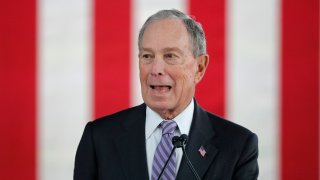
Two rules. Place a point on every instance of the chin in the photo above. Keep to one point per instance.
(158, 105)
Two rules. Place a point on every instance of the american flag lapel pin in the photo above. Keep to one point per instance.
(202, 151)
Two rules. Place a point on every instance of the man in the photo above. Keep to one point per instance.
(136, 143)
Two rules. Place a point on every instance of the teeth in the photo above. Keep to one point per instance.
(160, 87)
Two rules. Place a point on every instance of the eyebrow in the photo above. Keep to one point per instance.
(164, 50)
(173, 49)
(146, 49)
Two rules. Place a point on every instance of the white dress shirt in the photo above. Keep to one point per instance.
(154, 132)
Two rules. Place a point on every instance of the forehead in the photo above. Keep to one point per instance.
(166, 33)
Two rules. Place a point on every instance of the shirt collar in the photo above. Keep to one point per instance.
(183, 120)
(153, 120)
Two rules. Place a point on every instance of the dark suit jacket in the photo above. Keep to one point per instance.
(113, 148)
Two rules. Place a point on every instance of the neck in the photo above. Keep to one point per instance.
(171, 114)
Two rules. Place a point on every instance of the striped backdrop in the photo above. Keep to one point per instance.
(65, 62)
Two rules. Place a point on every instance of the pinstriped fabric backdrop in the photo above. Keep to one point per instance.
(65, 62)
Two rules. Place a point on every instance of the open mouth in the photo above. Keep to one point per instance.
(160, 88)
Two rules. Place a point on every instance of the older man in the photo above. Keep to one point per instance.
(136, 143)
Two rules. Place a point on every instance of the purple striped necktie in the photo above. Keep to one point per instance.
(163, 151)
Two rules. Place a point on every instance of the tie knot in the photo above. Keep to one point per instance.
(168, 126)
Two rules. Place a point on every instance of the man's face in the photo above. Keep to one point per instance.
(168, 70)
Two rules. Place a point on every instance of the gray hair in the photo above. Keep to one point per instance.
(194, 29)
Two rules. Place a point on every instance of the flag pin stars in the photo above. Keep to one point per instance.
(202, 151)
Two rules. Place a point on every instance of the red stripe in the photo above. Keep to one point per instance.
(300, 90)
(111, 56)
(17, 89)
(211, 90)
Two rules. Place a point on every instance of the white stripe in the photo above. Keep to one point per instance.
(252, 75)
(64, 78)
(141, 10)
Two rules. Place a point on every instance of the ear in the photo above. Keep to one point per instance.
(202, 62)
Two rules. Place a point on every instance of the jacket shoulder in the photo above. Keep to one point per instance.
(120, 115)
(221, 125)
(118, 121)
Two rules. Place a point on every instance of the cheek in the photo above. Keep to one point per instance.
(189, 74)
(143, 81)
(184, 79)
(143, 73)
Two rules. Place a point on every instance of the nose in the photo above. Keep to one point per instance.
(158, 67)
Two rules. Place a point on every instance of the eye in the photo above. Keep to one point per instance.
(169, 55)
(172, 58)
(146, 57)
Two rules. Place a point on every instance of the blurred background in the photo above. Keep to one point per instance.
(66, 62)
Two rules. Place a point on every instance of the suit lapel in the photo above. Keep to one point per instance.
(201, 134)
(131, 145)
